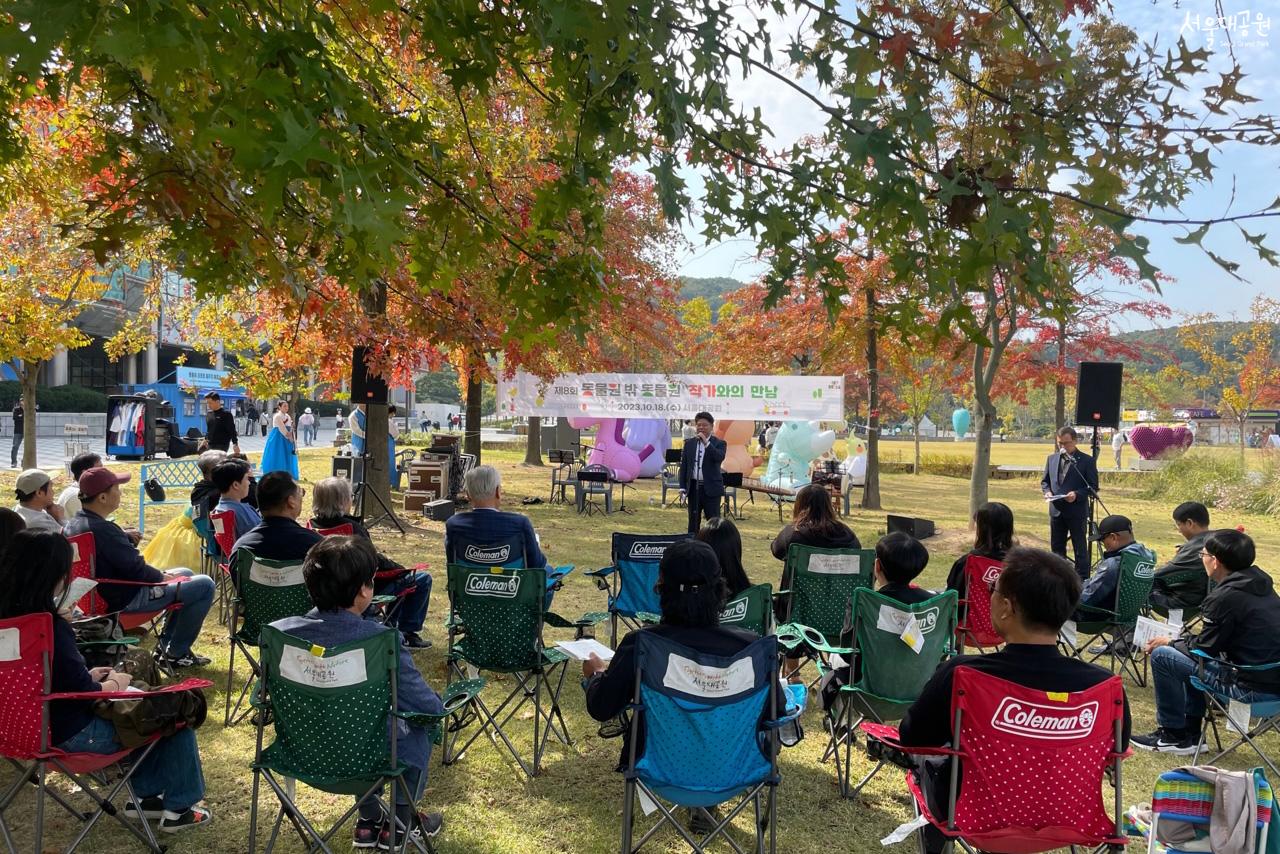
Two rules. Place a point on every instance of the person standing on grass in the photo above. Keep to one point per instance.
(1073, 475)
(701, 481)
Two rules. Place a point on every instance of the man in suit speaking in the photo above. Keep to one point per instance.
(1071, 474)
(700, 478)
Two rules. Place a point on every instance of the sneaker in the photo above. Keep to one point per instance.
(703, 823)
(151, 808)
(1164, 740)
(413, 640)
(367, 833)
(427, 826)
(192, 817)
(181, 661)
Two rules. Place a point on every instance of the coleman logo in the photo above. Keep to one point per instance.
(927, 620)
(648, 551)
(1055, 723)
(735, 612)
(991, 574)
(488, 554)
(1144, 570)
(502, 586)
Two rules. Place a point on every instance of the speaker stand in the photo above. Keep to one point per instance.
(362, 490)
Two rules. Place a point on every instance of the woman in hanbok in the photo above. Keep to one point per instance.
(281, 450)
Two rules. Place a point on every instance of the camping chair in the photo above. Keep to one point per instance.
(223, 523)
(84, 564)
(974, 627)
(1218, 703)
(1185, 617)
(386, 604)
(26, 654)
(708, 739)
(495, 624)
(630, 580)
(1033, 765)
(1115, 626)
(330, 709)
(265, 591)
(819, 595)
(562, 475)
(752, 609)
(1185, 798)
(508, 553)
(891, 671)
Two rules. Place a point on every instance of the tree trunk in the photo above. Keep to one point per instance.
(471, 438)
(915, 469)
(533, 448)
(986, 363)
(1060, 388)
(30, 372)
(871, 488)
(377, 473)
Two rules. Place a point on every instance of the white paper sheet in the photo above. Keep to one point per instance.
(581, 650)
(1147, 630)
(1067, 634)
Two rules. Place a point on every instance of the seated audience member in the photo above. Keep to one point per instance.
(278, 536)
(204, 495)
(992, 538)
(1099, 592)
(117, 557)
(69, 498)
(332, 505)
(723, 537)
(10, 524)
(36, 506)
(813, 523)
(34, 573)
(1240, 618)
(231, 479)
(339, 576)
(486, 525)
(1182, 582)
(1032, 599)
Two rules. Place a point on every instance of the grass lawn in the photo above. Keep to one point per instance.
(575, 805)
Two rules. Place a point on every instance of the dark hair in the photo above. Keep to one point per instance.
(34, 565)
(993, 534)
(1068, 431)
(723, 537)
(704, 416)
(1043, 586)
(902, 557)
(813, 512)
(1192, 511)
(1233, 549)
(83, 462)
(274, 490)
(336, 569)
(213, 395)
(10, 524)
(228, 473)
(698, 603)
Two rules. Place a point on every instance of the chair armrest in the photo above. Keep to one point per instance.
(1245, 668)
(184, 685)
(590, 618)
(556, 573)
(127, 640)
(888, 735)
(456, 696)
(601, 575)
(792, 635)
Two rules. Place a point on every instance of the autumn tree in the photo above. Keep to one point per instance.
(920, 372)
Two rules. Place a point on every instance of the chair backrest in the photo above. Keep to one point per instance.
(507, 551)
(636, 558)
(1033, 762)
(975, 627)
(26, 647)
(330, 706)
(501, 610)
(892, 672)
(701, 714)
(343, 530)
(84, 556)
(267, 590)
(752, 609)
(822, 585)
(1137, 575)
(205, 529)
(223, 523)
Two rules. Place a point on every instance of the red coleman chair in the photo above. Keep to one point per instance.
(388, 604)
(974, 628)
(1032, 765)
(84, 565)
(26, 652)
(223, 523)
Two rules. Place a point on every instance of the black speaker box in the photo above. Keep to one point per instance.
(351, 468)
(438, 510)
(1098, 394)
(918, 528)
(365, 387)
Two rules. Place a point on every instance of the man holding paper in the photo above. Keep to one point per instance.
(1069, 477)
(1099, 593)
(1181, 584)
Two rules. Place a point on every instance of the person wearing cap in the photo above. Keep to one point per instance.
(1116, 535)
(118, 559)
(220, 425)
(35, 502)
(307, 421)
(69, 498)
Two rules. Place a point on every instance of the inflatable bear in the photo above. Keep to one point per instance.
(610, 449)
(798, 444)
(737, 435)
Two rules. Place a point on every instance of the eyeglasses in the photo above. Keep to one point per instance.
(1204, 553)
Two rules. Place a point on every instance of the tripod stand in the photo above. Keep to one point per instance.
(361, 489)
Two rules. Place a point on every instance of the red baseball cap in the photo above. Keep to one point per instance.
(98, 480)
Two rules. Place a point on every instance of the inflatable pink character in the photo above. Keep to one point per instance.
(737, 457)
(649, 432)
(611, 450)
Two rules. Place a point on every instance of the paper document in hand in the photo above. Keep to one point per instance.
(78, 588)
(1147, 630)
(581, 649)
(1054, 497)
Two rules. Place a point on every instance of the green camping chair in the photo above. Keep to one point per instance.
(1116, 626)
(890, 672)
(330, 708)
(265, 591)
(752, 609)
(817, 596)
(495, 624)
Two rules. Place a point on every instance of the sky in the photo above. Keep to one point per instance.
(1253, 175)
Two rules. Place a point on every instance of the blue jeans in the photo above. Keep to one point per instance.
(180, 626)
(1178, 704)
(171, 769)
(412, 612)
(414, 778)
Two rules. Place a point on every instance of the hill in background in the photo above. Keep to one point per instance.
(712, 289)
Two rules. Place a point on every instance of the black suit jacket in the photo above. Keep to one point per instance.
(1079, 479)
(712, 457)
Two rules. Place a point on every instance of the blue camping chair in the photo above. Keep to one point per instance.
(632, 577)
(707, 739)
(1218, 705)
(507, 553)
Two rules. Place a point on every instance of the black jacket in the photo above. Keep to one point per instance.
(1079, 478)
(844, 539)
(278, 538)
(712, 457)
(1182, 582)
(1240, 618)
(220, 429)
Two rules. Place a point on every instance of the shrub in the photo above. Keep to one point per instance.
(1221, 481)
(62, 398)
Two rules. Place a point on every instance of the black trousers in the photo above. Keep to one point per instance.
(701, 506)
(1075, 527)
